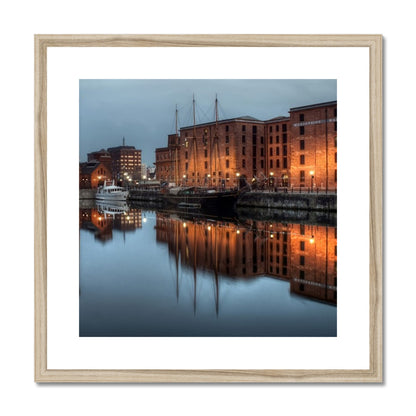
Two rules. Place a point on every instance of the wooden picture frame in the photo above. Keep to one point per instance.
(373, 374)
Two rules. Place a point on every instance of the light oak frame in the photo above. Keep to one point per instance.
(373, 374)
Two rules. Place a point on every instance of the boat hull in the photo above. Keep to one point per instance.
(218, 202)
(115, 196)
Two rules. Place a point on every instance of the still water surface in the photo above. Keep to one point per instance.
(149, 273)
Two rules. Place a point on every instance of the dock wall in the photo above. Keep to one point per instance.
(289, 201)
(87, 193)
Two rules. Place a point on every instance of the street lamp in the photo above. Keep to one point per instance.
(271, 181)
(238, 180)
(312, 173)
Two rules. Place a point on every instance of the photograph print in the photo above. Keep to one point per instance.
(208, 208)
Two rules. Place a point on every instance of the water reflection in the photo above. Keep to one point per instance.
(303, 254)
(148, 273)
(104, 217)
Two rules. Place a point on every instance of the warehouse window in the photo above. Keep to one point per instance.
(302, 159)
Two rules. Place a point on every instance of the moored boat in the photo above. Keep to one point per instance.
(112, 208)
(206, 199)
(111, 192)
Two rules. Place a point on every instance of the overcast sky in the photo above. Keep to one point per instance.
(143, 111)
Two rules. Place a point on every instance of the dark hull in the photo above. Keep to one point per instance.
(218, 202)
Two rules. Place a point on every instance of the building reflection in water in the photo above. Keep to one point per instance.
(102, 219)
(187, 275)
(304, 255)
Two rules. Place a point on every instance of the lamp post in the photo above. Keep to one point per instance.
(271, 180)
(209, 180)
(238, 180)
(312, 173)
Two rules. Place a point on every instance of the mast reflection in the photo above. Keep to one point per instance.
(304, 255)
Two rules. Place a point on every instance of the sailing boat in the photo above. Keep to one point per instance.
(193, 197)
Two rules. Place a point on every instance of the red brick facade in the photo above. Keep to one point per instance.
(314, 146)
(126, 160)
(92, 174)
(267, 152)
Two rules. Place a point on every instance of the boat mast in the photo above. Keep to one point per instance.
(216, 145)
(216, 114)
(176, 162)
(194, 149)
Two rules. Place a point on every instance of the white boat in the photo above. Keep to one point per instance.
(112, 208)
(111, 192)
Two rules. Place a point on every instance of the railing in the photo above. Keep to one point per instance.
(297, 190)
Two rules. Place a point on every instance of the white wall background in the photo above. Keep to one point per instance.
(19, 20)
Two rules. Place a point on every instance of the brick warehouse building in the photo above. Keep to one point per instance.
(92, 174)
(126, 160)
(299, 151)
(119, 162)
(314, 145)
(102, 156)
